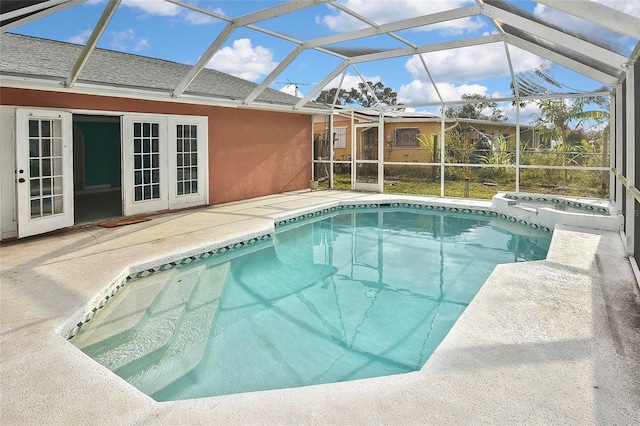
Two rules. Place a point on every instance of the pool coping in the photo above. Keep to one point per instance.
(542, 374)
(593, 214)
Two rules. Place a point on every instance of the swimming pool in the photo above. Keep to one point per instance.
(335, 297)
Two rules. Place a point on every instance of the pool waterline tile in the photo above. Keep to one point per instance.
(588, 207)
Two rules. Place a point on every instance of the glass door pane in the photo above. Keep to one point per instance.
(45, 167)
(186, 159)
(146, 161)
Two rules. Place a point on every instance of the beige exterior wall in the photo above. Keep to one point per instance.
(421, 152)
(426, 148)
(424, 151)
(321, 130)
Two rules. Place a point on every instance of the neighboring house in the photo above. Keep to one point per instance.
(401, 135)
(118, 144)
(412, 137)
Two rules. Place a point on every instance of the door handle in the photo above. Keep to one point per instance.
(21, 180)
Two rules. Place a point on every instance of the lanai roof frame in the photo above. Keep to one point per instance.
(578, 53)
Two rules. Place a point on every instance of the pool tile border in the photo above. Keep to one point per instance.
(468, 210)
(119, 284)
(575, 204)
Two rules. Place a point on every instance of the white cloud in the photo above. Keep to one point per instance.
(81, 38)
(154, 7)
(126, 41)
(527, 114)
(243, 60)
(419, 91)
(449, 68)
(168, 9)
(350, 82)
(455, 70)
(382, 12)
(475, 63)
(197, 18)
(141, 44)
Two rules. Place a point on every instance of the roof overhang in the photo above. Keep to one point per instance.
(49, 85)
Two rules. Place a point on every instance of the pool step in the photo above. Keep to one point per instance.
(155, 328)
(185, 349)
(121, 314)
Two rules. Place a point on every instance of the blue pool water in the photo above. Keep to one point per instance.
(338, 297)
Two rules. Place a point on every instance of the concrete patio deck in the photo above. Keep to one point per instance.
(548, 342)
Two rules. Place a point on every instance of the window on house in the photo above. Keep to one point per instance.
(407, 137)
(339, 137)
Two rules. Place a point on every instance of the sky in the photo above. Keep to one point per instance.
(161, 29)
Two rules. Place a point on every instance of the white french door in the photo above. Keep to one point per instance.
(188, 171)
(164, 162)
(44, 170)
(144, 153)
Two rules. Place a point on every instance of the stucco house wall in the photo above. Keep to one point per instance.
(255, 153)
(251, 153)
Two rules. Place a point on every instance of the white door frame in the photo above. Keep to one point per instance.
(174, 191)
(181, 197)
(44, 192)
(360, 186)
(145, 177)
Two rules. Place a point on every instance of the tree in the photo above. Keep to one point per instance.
(327, 97)
(362, 95)
(475, 110)
(560, 121)
(556, 115)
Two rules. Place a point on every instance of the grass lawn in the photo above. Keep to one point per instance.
(451, 189)
(456, 189)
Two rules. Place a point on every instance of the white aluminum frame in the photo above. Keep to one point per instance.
(574, 47)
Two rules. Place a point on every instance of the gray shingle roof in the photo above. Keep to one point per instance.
(53, 60)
